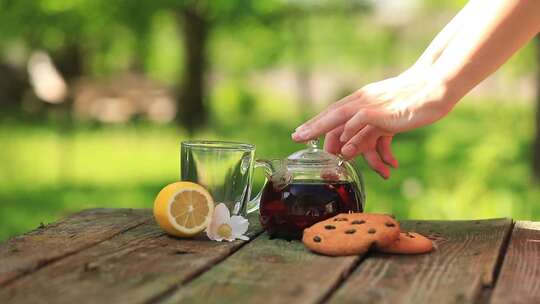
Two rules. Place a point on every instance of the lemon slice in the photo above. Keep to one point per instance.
(183, 208)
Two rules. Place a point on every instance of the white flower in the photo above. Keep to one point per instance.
(224, 227)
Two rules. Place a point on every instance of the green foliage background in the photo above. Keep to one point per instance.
(473, 164)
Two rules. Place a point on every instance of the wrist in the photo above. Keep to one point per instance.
(450, 91)
(438, 88)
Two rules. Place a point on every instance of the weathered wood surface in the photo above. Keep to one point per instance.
(463, 263)
(267, 271)
(138, 266)
(121, 256)
(519, 279)
(29, 252)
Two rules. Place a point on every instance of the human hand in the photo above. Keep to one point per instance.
(472, 46)
(365, 121)
(378, 155)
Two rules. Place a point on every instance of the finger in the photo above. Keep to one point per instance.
(385, 151)
(375, 162)
(330, 108)
(331, 141)
(325, 124)
(355, 124)
(363, 115)
(363, 141)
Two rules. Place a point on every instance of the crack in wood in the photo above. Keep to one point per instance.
(90, 267)
(171, 290)
(518, 281)
(455, 272)
(344, 276)
(181, 252)
(49, 261)
(123, 267)
(486, 292)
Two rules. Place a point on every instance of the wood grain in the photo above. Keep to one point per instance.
(137, 266)
(464, 262)
(31, 251)
(267, 271)
(519, 279)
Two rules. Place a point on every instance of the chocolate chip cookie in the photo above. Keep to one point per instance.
(351, 234)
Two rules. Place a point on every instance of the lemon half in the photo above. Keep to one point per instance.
(183, 208)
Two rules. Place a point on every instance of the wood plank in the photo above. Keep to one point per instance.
(463, 263)
(137, 266)
(268, 271)
(519, 280)
(31, 251)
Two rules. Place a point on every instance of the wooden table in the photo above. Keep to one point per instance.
(121, 256)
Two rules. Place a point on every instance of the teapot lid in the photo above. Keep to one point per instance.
(314, 156)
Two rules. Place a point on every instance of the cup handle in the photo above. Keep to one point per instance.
(254, 204)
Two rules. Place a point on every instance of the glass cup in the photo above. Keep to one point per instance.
(224, 168)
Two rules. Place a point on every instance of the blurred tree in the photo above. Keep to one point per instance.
(536, 149)
(303, 63)
(198, 19)
(13, 85)
(79, 34)
(195, 25)
(98, 37)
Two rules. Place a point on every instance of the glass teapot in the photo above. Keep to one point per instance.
(309, 186)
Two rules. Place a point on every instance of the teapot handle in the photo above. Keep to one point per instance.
(361, 191)
(275, 172)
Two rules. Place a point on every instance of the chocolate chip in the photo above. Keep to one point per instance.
(317, 239)
(350, 231)
(371, 230)
(340, 219)
(409, 235)
(390, 224)
(357, 222)
(329, 227)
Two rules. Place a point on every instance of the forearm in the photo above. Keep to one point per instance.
(443, 38)
(475, 43)
(497, 31)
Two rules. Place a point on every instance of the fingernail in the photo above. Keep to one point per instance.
(301, 134)
(343, 138)
(348, 151)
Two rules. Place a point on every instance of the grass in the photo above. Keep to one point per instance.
(473, 164)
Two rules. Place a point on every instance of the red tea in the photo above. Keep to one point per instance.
(286, 212)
